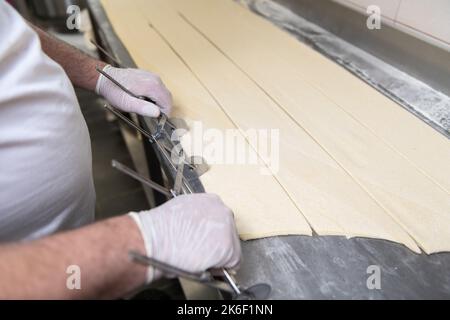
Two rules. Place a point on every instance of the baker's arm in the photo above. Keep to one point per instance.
(38, 270)
(80, 68)
(192, 232)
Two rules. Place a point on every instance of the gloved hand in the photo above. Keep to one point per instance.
(193, 232)
(139, 82)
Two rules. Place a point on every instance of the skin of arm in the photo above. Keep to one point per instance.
(79, 66)
(37, 270)
(81, 70)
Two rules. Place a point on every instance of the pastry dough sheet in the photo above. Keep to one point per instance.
(343, 169)
(242, 187)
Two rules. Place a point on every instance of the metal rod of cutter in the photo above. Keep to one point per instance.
(142, 179)
(231, 282)
(123, 88)
(106, 53)
(166, 268)
(204, 278)
(179, 175)
(163, 152)
(129, 122)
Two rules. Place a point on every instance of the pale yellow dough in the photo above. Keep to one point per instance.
(344, 169)
(242, 187)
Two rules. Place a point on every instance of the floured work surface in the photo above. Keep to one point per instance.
(351, 163)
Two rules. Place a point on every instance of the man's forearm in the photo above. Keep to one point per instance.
(79, 66)
(38, 270)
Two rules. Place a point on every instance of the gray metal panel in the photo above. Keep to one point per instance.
(325, 267)
(336, 268)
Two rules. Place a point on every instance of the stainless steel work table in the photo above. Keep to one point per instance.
(332, 267)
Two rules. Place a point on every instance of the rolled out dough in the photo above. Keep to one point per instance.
(340, 172)
(242, 187)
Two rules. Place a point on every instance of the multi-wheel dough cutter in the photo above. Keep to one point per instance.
(170, 149)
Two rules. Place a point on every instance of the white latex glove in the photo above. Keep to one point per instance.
(139, 82)
(193, 232)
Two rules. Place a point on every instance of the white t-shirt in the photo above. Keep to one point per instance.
(45, 152)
